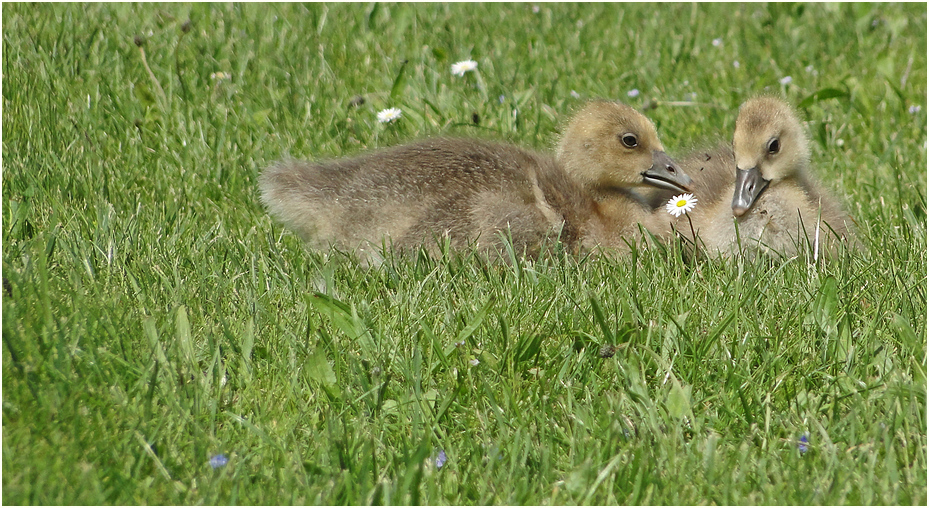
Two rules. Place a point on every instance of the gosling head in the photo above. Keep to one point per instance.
(610, 145)
(770, 146)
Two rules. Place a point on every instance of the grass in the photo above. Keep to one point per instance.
(154, 316)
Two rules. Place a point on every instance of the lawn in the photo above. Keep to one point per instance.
(166, 342)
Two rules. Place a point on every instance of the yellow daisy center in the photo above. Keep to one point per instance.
(681, 203)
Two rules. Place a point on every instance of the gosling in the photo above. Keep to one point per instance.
(776, 207)
(472, 193)
(614, 152)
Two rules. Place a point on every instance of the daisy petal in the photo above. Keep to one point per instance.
(460, 68)
(389, 115)
(680, 205)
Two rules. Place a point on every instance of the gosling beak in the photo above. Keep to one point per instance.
(749, 184)
(666, 174)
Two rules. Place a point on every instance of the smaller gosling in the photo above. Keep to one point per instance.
(776, 207)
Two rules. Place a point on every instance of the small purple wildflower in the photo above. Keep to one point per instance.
(717, 42)
(441, 459)
(914, 109)
(786, 80)
(218, 461)
(802, 446)
(633, 93)
(735, 64)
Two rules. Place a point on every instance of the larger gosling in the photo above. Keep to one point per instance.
(614, 152)
(776, 207)
(418, 194)
(468, 191)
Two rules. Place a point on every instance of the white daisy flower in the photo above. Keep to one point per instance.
(717, 42)
(460, 68)
(389, 115)
(679, 205)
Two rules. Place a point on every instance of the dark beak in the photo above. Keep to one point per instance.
(666, 174)
(749, 184)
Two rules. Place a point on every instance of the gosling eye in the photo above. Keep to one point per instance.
(774, 146)
(630, 140)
